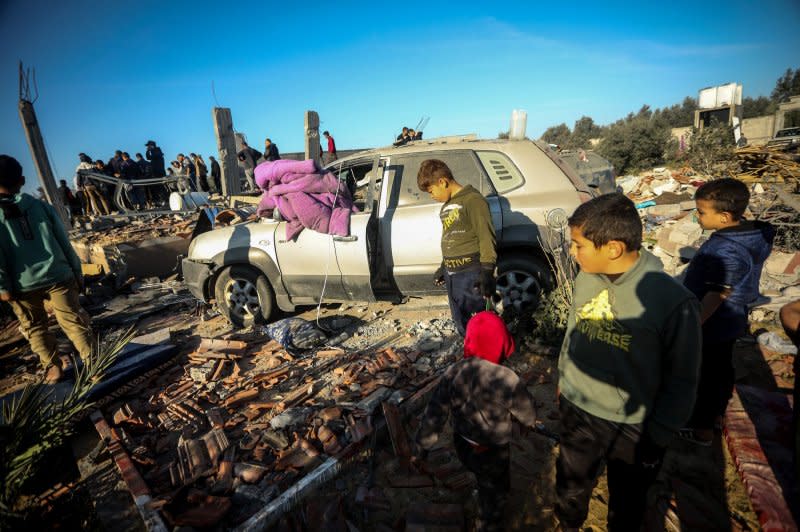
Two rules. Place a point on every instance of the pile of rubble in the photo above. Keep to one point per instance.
(134, 248)
(769, 164)
(243, 421)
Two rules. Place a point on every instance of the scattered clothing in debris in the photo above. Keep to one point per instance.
(295, 333)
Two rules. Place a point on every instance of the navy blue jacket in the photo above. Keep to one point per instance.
(731, 259)
(156, 158)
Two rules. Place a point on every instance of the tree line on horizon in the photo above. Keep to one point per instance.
(643, 139)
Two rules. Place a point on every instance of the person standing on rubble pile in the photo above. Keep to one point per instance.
(187, 169)
(37, 262)
(469, 245)
(724, 275)
(115, 163)
(156, 158)
(95, 201)
(488, 405)
(215, 183)
(131, 171)
(144, 167)
(271, 151)
(104, 190)
(331, 155)
(249, 157)
(80, 182)
(201, 171)
(68, 199)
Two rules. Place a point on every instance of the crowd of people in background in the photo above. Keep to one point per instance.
(91, 195)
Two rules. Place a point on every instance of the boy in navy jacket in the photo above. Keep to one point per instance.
(724, 275)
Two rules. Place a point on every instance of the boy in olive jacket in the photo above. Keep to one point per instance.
(468, 242)
(628, 368)
(37, 262)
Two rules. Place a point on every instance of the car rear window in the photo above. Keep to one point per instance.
(402, 173)
(503, 173)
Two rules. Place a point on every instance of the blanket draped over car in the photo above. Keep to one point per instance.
(305, 196)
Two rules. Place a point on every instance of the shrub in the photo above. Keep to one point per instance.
(711, 149)
(635, 143)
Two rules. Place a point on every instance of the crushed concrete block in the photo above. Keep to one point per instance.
(202, 373)
(290, 418)
(779, 263)
(668, 210)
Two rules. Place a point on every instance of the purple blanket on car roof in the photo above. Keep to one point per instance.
(305, 197)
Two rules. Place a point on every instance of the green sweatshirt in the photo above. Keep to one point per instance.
(467, 231)
(632, 349)
(35, 251)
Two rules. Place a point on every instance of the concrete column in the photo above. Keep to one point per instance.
(226, 144)
(36, 144)
(312, 137)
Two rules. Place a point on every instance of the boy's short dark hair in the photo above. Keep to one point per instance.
(430, 171)
(325, 133)
(10, 171)
(727, 195)
(609, 217)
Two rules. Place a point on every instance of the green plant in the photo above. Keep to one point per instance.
(33, 424)
(550, 317)
(711, 149)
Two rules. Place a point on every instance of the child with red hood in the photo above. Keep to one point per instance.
(484, 398)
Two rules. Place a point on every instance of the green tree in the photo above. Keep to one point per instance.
(680, 114)
(786, 86)
(636, 143)
(711, 149)
(559, 134)
(584, 130)
(753, 107)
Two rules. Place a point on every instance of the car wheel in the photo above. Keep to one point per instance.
(243, 295)
(521, 281)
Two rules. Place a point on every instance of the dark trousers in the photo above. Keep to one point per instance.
(715, 387)
(464, 297)
(589, 443)
(490, 466)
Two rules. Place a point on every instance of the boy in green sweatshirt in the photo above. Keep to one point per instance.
(469, 245)
(628, 368)
(37, 262)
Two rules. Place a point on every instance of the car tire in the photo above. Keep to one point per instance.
(521, 279)
(243, 296)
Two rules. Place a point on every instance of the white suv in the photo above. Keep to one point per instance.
(394, 244)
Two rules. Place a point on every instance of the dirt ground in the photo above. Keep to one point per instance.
(698, 484)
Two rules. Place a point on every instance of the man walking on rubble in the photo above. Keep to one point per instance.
(331, 156)
(216, 175)
(156, 158)
(271, 151)
(249, 159)
(37, 262)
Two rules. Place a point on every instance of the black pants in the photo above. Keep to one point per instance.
(464, 297)
(715, 387)
(589, 443)
(490, 467)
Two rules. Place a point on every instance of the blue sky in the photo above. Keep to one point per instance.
(112, 75)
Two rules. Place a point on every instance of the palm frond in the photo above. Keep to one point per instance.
(37, 424)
